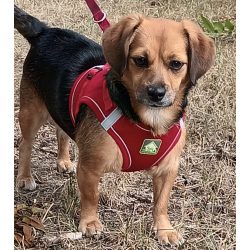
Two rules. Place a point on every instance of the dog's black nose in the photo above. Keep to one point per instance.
(156, 92)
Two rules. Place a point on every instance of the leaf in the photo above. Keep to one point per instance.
(218, 26)
(36, 210)
(229, 25)
(34, 222)
(19, 207)
(18, 237)
(27, 231)
(207, 24)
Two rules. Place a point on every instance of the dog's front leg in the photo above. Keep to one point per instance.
(88, 181)
(162, 185)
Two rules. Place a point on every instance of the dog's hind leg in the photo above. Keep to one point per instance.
(64, 163)
(88, 181)
(32, 116)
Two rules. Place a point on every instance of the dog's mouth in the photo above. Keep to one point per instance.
(151, 104)
(165, 102)
(159, 105)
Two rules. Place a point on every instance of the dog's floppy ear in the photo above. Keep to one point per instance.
(116, 41)
(201, 50)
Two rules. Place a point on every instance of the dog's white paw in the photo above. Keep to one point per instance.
(26, 183)
(169, 237)
(91, 227)
(65, 166)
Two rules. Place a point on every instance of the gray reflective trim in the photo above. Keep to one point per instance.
(113, 117)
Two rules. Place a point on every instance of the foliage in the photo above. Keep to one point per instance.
(217, 28)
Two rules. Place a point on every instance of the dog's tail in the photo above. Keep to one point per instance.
(27, 25)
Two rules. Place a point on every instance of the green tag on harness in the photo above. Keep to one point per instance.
(150, 146)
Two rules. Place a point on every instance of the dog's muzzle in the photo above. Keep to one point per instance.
(156, 93)
(155, 96)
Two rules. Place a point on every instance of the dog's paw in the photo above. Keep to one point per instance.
(26, 183)
(91, 227)
(169, 237)
(65, 166)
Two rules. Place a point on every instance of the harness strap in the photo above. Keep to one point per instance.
(98, 15)
(182, 123)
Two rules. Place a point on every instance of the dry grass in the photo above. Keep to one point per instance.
(202, 205)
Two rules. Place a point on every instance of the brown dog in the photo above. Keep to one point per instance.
(154, 61)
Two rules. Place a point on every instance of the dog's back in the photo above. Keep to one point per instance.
(56, 58)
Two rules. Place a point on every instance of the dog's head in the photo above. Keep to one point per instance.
(158, 60)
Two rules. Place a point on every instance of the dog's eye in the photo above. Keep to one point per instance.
(175, 65)
(141, 61)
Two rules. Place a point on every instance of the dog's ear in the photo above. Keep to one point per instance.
(117, 39)
(201, 51)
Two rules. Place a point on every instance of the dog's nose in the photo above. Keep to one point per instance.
(156, 93)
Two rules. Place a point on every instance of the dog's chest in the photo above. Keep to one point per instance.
(140, 149)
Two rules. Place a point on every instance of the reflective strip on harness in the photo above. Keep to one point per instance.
(109, 121)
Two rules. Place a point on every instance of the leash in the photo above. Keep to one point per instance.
(98, 15)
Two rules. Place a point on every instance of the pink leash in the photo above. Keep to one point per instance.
(98, 15)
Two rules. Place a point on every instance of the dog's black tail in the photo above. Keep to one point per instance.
(27, 25)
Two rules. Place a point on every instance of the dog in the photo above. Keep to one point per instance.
(150, 65)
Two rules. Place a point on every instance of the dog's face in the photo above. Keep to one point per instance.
(157, 63)
(157, 60)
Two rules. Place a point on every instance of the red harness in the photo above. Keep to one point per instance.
(140, 149)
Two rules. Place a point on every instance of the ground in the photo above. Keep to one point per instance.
(202, 205)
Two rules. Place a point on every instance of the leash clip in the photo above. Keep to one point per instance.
(101, 20)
